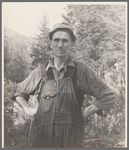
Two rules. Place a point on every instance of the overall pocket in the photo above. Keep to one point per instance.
(47, 102)
(48, 93)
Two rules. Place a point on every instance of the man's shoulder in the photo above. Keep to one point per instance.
(39, 68)
(43, 65)
(83, 70)
(80, 65)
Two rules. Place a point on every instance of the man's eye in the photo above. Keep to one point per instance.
(56, 40)
(64, 40)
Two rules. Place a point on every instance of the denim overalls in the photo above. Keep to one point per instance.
(58, 121)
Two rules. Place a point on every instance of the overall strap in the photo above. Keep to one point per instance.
(43, 71)
(46, 75)
(72, 73)
(74, 78)
(44, 78)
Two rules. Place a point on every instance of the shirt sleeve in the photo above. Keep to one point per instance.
(29, 85)
(92, 85)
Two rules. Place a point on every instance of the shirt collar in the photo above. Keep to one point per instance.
(69, 62)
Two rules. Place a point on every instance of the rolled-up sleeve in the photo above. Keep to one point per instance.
(92, 85)
(29, 85)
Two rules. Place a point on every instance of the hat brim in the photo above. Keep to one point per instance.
(73, 37)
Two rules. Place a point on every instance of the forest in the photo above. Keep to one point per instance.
(101, 45)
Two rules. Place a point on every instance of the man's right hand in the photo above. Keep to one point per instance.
(30, 111)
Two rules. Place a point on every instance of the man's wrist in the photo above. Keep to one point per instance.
(22, 102)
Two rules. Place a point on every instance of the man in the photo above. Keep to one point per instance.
(61, 84)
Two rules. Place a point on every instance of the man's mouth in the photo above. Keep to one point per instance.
(60, 51)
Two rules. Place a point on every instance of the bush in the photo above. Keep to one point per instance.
(16, 122)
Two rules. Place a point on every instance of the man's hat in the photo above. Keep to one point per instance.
(60, 26)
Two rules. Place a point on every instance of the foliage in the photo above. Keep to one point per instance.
(7, 57)
(16, 54)
(16, 122)
(41, 46)
(99, 29)
(10, 135)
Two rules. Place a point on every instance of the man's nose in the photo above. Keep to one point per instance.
(60, 45)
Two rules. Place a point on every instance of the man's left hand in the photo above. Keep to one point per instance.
(90, 110)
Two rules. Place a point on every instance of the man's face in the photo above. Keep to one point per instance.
(61, 43)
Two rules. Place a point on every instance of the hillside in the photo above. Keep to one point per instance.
(17, 38)
(18, 46)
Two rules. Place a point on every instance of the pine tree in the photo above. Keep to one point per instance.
(99, 28)
(41, 47)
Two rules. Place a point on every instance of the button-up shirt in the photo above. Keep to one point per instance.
(87, 81)
(59, 74)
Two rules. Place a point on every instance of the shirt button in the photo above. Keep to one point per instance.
(45, 81)
(48, 97)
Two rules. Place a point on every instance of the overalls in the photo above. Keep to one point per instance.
(58, 121)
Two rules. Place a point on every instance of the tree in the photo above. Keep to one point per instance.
(41, 47)
(16, 55)
(99, 28)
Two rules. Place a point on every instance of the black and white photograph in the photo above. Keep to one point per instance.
(64, 74)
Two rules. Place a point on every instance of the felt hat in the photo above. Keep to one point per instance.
(63, 26)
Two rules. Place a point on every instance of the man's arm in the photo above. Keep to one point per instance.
(30, 111)
(92, 85)
(26, 88)
(29, 86)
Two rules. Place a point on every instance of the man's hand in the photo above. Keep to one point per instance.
(90, 110)
(30, 111)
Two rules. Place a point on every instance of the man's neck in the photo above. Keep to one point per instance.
(59, 62)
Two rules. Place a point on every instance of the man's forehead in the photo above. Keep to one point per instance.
(61, 34)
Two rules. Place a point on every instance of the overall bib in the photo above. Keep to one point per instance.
(58, 121)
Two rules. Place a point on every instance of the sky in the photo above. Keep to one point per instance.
(25, 17)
